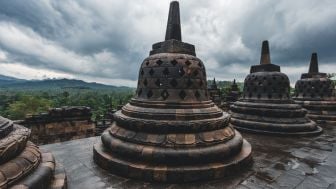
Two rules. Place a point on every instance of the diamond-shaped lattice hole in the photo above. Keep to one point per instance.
(187, 63)
(173, 83)
(145, 82)
(189, 83)
(139, 92)
(182, 94)
(181, 71)
(197, 94)
(158, 83)
(151, 72)
(159, 62)
(149, 93)
(147, 63)
(173, 62)
(165, 71)
(164, 94)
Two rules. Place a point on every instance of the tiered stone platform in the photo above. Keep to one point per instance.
(22, 163)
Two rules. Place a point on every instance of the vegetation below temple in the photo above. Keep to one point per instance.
(19, 98)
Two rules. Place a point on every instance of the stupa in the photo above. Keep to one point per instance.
(266, 106)
(22, 163)
(234, 93)
(171, 131)
(215, 93)
(316, 92)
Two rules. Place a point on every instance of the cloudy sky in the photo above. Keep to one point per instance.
(106, 40)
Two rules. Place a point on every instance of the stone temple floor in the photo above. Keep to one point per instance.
(279, 162)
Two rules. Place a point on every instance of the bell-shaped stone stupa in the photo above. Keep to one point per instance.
(266, 106)
(171, 131)
(316, 92)
(233, 94)
(215, 93)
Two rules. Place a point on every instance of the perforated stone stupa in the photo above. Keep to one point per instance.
(266, 106)
(22, 163)
(171, 131)
(234, 93)
(215, 93)
(316, 92)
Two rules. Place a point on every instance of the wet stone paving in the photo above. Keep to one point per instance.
(279, 162)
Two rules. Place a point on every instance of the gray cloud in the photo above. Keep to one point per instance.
(107, 40)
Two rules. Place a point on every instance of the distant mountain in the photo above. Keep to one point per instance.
(11, 83)
(9, 80)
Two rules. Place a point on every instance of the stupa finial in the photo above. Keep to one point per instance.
(213, 84)
(265, 53)
(174, 25)
(313, 67)
(265, 61)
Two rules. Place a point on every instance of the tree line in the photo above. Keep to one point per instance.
(18, 104)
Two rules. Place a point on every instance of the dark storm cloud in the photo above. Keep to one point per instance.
(106, 40)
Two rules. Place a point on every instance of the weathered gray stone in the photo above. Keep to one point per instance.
(266, 107)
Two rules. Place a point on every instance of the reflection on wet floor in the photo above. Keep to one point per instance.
(279, 162)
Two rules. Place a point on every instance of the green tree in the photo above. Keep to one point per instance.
(28, 105)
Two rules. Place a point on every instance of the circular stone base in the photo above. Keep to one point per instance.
(46, 175)
(323, 119)
(322, 112)
(266, 132)
(171, 174)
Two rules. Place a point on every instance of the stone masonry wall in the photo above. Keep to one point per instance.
(60, 124)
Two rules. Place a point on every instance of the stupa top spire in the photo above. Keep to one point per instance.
(313, 67)
(213, 84)
(265, 61)
(265, 53)
(173, 41)
(174, 25)
(313, 71)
